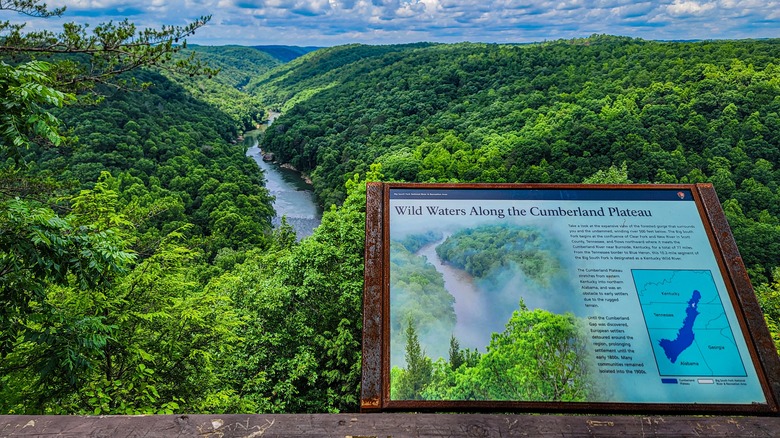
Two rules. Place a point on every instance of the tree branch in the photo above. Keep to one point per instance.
(98, 56)
(28, 7)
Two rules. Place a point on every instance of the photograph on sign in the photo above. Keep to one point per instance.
(560, 295)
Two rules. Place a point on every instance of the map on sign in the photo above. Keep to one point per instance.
(687, 324)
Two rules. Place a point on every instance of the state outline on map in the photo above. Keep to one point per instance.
(687, 323)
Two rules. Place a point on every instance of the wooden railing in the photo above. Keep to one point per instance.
(387, 425)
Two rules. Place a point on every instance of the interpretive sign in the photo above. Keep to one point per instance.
(560, 297)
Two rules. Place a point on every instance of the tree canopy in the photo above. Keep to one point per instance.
(140, 273)
(540, 356)
(563, 111)
(104, 310)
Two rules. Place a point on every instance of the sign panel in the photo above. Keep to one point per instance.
(559, 297)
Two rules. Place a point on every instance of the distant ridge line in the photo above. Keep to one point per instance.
(286, 53)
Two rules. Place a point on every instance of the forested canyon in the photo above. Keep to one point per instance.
(139, 268)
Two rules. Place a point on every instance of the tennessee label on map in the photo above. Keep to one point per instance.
(687, 325)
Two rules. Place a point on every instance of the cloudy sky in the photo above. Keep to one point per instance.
(334, 22)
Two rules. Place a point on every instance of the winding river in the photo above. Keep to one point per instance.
(476, 317)
(294, 198)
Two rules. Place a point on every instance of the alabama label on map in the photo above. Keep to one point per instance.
(687, 325)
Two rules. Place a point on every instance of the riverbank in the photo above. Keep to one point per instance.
(254, 135)
(304, 176)
(294, 198)
(475, 323)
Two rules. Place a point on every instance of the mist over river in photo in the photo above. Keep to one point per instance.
(484, 307)
(476, 321)
(450, 290)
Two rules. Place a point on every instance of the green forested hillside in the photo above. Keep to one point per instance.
(552, 112)
(285, 53)
(237, 66)
(139, 272)
(315, 72)
(165, 145)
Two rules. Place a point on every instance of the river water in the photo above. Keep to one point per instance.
(294, 198)
(476, 317)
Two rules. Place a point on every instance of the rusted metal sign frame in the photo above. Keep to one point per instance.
(375, 390)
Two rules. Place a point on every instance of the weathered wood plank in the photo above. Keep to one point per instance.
(386, 425)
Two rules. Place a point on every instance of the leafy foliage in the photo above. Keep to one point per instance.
(563, 111)
(301, 303)
(150, 281)
(540, 356)
(499, 246)
(409, 383)
(769, 299)
(100, 334)
(25, 95)
(39, 248)
(418, 294)
(103, 281)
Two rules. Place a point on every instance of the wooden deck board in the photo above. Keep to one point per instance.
(387, 425)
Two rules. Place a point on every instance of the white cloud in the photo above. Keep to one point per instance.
(86, 4)
(689, 7)
(747, 4)
(329, 22)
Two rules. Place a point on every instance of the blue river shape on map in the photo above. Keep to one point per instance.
(685, 336)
